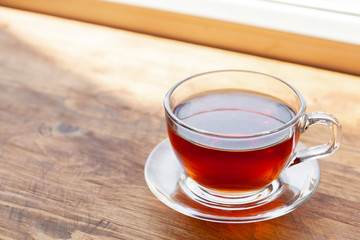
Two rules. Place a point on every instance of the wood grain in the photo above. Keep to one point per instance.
(81, 109)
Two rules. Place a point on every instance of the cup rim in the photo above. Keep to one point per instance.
(178, 121)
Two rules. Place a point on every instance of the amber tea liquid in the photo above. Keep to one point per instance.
(244, 167)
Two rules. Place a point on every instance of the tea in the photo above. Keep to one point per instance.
(249, 165)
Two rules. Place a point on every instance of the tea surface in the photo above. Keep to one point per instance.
(233, 113)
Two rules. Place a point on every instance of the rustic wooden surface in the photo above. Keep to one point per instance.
(81, 109)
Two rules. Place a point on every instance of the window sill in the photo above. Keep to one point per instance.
(306, 39)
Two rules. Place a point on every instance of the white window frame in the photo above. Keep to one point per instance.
(288, 32)
(277, 15)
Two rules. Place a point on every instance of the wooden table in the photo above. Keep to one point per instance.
(81, 109)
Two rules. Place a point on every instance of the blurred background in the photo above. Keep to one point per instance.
(319, 33)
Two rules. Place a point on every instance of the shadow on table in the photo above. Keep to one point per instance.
(285, 227)
(72, 148)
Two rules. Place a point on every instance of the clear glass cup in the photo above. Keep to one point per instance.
(236, 170)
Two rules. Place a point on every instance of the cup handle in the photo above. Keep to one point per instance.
(321, 150)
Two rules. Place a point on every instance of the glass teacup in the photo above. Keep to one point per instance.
(234, 132)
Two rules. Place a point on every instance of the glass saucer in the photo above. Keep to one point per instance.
(166, 179)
